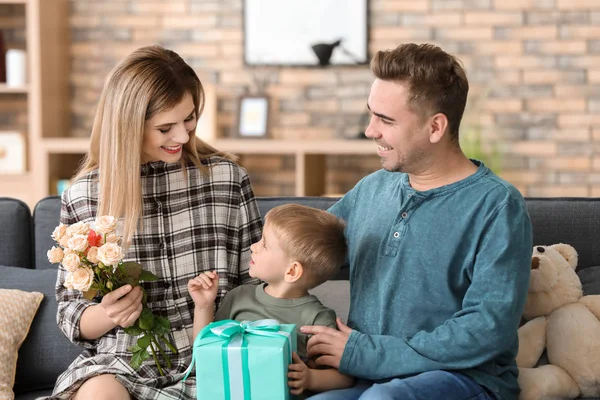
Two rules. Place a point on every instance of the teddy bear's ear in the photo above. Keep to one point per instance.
(568, 252)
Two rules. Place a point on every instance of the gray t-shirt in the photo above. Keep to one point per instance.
(250, 302)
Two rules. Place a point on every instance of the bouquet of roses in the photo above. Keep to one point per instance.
(93, 259)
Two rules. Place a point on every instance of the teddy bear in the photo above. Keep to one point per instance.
(564, 323)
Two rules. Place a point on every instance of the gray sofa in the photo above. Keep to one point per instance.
(25, 239)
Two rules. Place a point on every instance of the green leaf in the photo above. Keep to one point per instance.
(162, 326)
(144, 341)
(90, 294)
(134, 330)
(138, 358)
(147, 276)
(146, 320)
(132, 269)
(134, 349)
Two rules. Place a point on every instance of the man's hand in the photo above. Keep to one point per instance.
(203, 289)
(327, 344)
(299, 376)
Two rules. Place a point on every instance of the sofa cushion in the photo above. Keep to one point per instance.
(590, 280)
(568, 220)
(17, 309)
(46, 352)
(335, 295)
(46, 216)
(15, 233)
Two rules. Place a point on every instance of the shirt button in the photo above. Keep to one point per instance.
(396, 235)
(166, 284)
(404, 215)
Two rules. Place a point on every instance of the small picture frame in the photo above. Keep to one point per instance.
(12, 153)
(253, 117)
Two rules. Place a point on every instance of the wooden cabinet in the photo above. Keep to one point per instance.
(46, 33)
(310, 166)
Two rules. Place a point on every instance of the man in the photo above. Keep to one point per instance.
(440, 249)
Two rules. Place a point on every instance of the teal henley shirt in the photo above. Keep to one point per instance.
(438, 278)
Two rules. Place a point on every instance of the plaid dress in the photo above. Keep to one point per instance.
(189, 225)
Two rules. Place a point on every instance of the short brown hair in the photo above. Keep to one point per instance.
(436, 80)
(313, 237)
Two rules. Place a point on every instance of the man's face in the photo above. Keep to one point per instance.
(401, 136)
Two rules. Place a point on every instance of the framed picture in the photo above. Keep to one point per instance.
(12, 153)
(253, 117)
(305, 33)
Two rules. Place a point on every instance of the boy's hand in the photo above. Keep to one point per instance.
(203, 289)
(299, 375)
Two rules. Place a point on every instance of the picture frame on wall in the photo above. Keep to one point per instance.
(253, 117)
(301, 33)
(12, 153)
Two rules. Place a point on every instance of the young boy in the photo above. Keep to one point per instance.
(301, 247)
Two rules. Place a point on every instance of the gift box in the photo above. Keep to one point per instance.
(244, 360)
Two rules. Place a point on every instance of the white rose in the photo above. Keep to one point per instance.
(55, 255)
(112, 238)
(71, 262)
(110, 254)
(78, 243)
(92, 255)
(78, 228)
(69, 281)
(83, 279)
(105, 224)
(59, 232)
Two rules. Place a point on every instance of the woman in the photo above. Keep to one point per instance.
(184, 208)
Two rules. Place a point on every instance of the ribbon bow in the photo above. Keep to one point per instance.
(234, 332)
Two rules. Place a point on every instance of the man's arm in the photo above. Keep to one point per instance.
(484, 328)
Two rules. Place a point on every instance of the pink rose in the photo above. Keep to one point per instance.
(82, 279)
(69, 281)
(55, 255)
(64, 241)
(105, 224)
(71, 262)
(78, 228)
(59, 232)
(110, 254)
(92, 255)
(112, 238)
(78, 243)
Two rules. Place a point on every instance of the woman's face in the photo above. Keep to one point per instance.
(167, 132)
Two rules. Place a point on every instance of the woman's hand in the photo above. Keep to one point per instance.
(203, 289)
(299, 377)
(124, 305)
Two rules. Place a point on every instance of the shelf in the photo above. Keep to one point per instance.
(274, 146)
(13, 89)
(15, 177)
(66, 145)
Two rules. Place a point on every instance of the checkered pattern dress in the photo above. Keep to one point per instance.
(190, 225)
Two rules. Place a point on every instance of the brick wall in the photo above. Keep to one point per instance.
(534, 68)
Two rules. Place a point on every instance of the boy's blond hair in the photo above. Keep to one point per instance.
(311, 236)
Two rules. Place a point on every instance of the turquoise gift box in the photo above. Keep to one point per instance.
(243, 360)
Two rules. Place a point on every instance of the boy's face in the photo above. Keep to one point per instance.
(269, 261)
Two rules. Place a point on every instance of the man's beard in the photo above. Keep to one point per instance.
(404, 162)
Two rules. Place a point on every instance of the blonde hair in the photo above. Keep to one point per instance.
(149, 81)
(311, 236)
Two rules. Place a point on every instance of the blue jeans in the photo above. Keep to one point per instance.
(426, 386)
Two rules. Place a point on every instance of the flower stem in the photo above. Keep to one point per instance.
(169, 345)
(165, 356)
(160, 371)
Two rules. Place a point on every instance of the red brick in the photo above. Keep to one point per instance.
(577, 4)
(491, 18)
(539, 148)
(556, 104)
